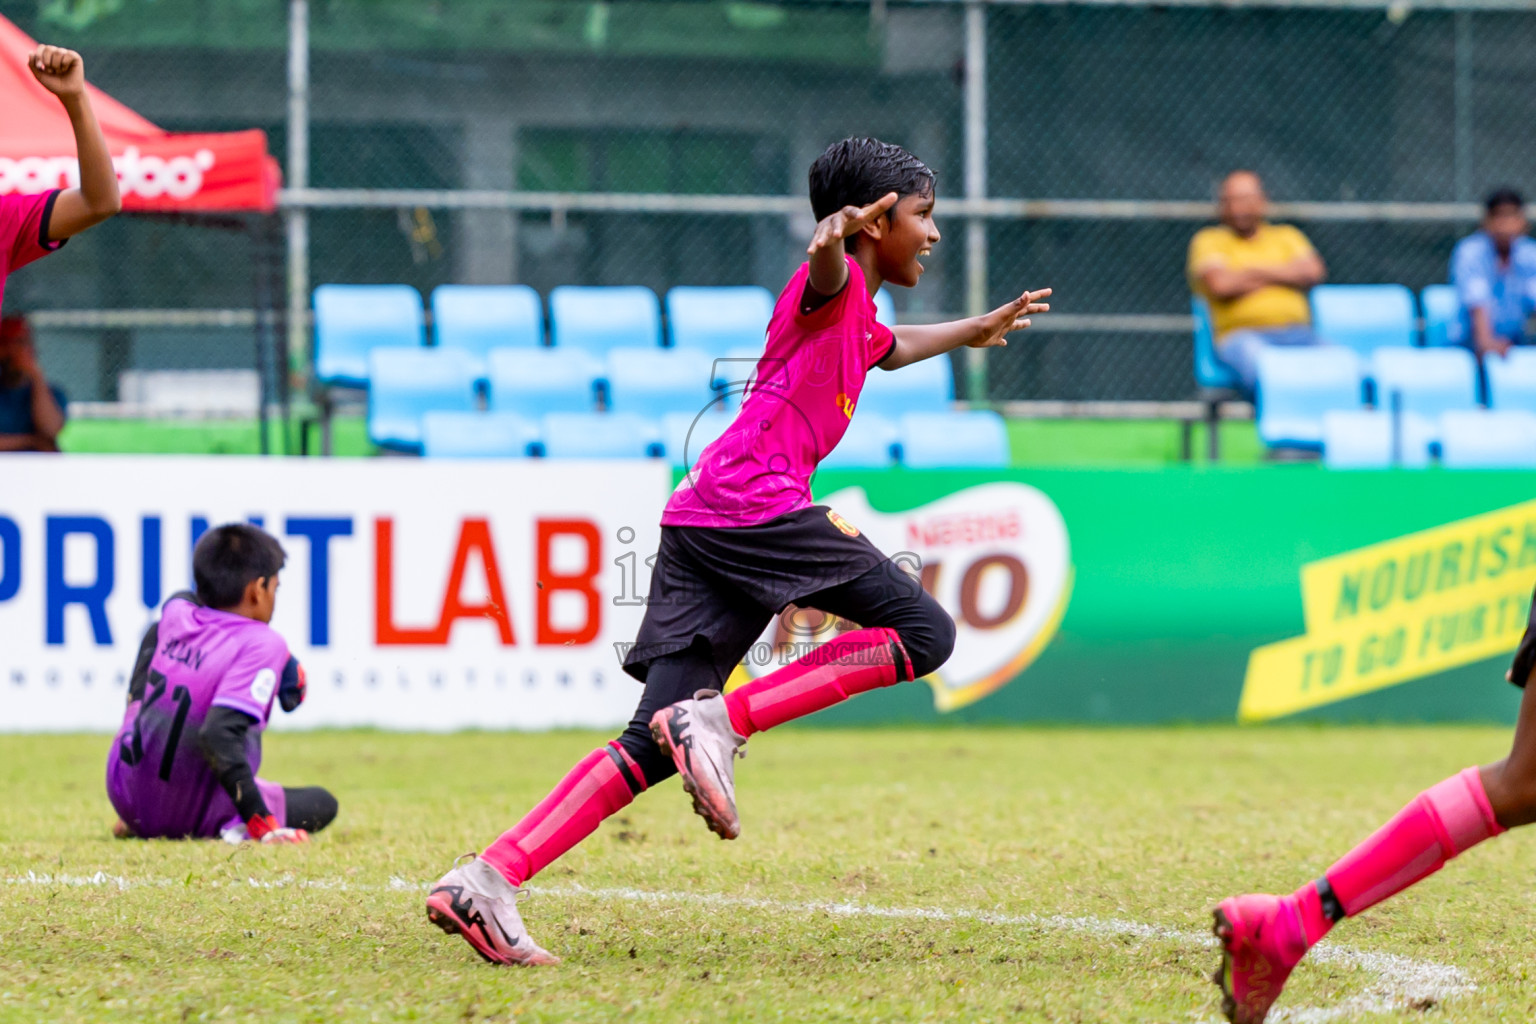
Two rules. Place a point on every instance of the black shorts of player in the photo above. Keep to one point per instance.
(715, 589)
(718, 587)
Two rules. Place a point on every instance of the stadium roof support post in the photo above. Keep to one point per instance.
(976, 186)
(295, 217)
(272, 365)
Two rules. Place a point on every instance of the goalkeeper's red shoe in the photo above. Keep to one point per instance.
(476, 902)
(265, 830)
(698, 736)
(1261, 941)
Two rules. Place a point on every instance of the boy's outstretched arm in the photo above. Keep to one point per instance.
(62, 72)
(829, 271)
(915, 342)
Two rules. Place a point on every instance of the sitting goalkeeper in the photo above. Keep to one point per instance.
(184, 763)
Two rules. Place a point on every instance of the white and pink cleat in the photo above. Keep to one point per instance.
(474, 902)
(698, 736)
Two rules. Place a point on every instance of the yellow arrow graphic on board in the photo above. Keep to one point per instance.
(1399, 610)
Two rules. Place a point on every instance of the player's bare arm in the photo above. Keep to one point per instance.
(828, 270)
(62, 72)
(916, 342)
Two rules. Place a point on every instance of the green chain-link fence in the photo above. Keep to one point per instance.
(521, 102)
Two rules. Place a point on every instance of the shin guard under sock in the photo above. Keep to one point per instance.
(852, 663)
(1446, 819)
(602, 783)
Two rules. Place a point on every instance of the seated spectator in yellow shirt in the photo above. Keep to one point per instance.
(1254, 275)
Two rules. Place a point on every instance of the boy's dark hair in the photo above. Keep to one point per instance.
(230, 556)
(856, 172)
(1502, 197)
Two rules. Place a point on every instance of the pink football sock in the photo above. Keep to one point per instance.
(590, 792)
(852, 663)
(1311, 917)
(1446, 819)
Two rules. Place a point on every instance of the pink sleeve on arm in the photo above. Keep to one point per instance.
(881, 341)
(253, 675)
(835, 307)
(23, 227)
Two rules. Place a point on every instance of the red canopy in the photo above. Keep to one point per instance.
(156, 169)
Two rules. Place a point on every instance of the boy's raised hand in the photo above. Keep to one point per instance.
(848, 221)
(1011, 316)
(61, 71)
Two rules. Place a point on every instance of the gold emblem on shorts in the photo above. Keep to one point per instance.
(842, 524)
(845, 404)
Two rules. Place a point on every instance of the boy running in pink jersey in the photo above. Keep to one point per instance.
(32, 226)
(184, 763)
(741, 539)
(1264, 937)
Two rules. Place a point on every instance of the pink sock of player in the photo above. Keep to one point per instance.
(590, 792)
(852, 663)
(1446, 819)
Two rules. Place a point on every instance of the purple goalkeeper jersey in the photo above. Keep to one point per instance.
(157, 777)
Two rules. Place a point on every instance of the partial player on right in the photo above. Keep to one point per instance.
(1264, 937)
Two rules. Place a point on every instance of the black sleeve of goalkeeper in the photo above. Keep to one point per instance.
(1525, 654)
(222, 740)
(140, 677)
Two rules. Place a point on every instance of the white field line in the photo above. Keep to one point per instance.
(1399, 982)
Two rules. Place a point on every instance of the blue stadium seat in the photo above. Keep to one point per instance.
(351, 320)
(945, 439)
(734, 370)
(535, 381)
(1297, 386)
(407, 383)
(870, 443)
(1512, 380)
(687, 434)
(600, 435)
(597, 319)
(1364, 439)
(480, 317)
(1209, 373)
(926, 386)
(717, 320)
(1442, 316)
(885, 308)
(1479, 439)
(656, 381)
(1427, 381)
(1364, 317)
(476, 435)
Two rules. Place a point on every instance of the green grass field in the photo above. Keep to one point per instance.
(966, 875)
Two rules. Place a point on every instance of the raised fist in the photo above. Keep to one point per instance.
(61, 71)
